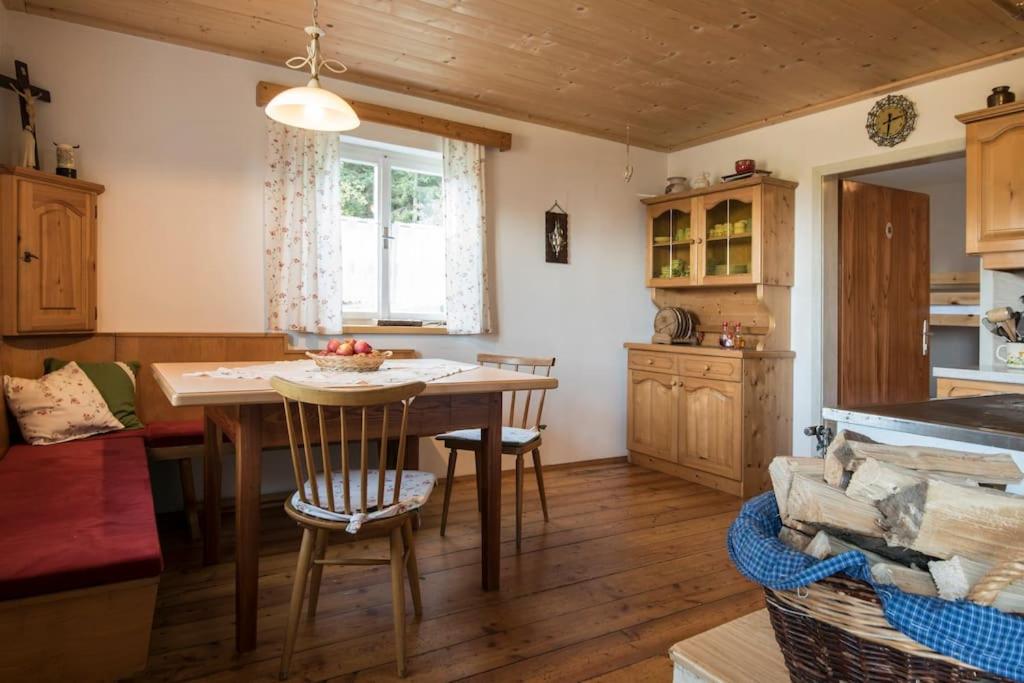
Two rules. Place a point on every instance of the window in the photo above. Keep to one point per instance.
(393, 242)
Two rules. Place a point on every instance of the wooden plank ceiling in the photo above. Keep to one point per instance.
(680, 73)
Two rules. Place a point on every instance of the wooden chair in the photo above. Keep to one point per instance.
(520, 435)
(327, 501)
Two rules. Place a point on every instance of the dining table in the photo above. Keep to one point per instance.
(249, 413)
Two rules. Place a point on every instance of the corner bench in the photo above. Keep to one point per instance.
(81, 559)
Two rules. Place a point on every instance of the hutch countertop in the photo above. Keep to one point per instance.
(708, 351)
(986, 373)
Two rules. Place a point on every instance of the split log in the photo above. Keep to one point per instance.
(878, 546)
(839, 455)
(815, 502)
(782, 469)
(956, 577)
(890, 573)
(874, 480)
(794, 539)
(942, 519)
(995, 468)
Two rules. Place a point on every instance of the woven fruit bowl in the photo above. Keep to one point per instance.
(360, 362)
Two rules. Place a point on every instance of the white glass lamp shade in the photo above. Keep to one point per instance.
(313, 108)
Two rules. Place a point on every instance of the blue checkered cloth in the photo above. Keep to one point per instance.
(983, 637)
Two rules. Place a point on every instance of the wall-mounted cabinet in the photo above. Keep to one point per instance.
(48, 251)
(738, 233)
(995, 185)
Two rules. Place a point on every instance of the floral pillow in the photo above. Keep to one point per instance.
(60, 406)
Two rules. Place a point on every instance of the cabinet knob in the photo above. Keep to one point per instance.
(650, 361)
(28, 256)
(707, 368)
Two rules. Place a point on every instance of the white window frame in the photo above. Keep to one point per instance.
(385, 157)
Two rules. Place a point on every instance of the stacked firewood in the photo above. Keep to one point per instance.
(929, 521)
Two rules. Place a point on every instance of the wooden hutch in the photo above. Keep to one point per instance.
(711, 415)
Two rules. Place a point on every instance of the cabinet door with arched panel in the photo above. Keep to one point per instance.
(732, 234)
(710, 426)
(651, 413)
(671, 240)
(56, 258)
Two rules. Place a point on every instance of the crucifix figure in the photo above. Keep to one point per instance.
(27, 95)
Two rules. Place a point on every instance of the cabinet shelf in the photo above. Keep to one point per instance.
(734, 238)
(684, 243)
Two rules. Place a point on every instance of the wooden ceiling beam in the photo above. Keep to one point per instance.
(376, 113)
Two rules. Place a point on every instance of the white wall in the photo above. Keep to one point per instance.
(175, 136)
(794, 149)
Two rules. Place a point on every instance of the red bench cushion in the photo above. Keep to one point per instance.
(75, 515)
(171, 433)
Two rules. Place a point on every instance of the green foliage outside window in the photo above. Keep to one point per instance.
(357, 189)
(415, 197)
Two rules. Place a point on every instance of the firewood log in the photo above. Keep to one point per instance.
(781, 471)
(874, 480)
(956, 577)
(942, 519)
(905, 578)
(996, 468)
(839, 455)
(794, 539)
(815, 502)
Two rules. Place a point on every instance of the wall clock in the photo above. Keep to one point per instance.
(891, 120)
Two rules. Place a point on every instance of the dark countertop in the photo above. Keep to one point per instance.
(996, 421)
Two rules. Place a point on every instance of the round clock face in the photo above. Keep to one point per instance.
(891, 120)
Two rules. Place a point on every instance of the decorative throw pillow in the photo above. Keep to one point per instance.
(115, 382)
(61, 406)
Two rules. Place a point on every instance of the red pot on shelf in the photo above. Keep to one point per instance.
(745, 166)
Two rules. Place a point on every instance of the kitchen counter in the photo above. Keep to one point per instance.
(985, 373)
(995, 421)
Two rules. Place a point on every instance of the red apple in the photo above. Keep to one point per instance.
(346, 349)
(332, 346)
(362, 347)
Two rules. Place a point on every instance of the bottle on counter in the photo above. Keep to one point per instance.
(726, 341)
(738, 338)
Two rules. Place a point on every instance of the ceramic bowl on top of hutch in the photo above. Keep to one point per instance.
(48, 248)
(995, 185)
(711, 415)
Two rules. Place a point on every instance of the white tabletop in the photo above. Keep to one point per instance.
(182, 388)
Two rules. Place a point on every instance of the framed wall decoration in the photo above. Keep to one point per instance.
(556, 235)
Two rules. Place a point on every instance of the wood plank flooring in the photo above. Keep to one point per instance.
(631, 562)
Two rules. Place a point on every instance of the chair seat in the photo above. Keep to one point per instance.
(510, 436)
(416, 488)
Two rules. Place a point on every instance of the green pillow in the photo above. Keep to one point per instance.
(114, 381)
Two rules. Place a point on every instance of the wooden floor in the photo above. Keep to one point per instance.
(631, 562)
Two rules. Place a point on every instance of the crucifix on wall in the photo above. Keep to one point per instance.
(27, 96)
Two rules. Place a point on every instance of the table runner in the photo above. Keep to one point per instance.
(306, 372)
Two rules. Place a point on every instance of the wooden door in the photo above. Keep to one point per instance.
(883, 295)
(730, 248)
(995, 184)
(671, 239)
(651, 413)
(710, 419)
(56, 258)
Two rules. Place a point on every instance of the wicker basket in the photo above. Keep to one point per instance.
(835, 630)
(369, 362)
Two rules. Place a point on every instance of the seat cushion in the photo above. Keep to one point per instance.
(510, 436)
(416, 488)
(75, 515)
(171, 433)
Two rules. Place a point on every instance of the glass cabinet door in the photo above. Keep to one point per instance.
(671, 240)
(729, 235)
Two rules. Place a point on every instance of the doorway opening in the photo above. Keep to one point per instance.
(901, 296)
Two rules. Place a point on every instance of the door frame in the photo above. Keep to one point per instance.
(825, 249)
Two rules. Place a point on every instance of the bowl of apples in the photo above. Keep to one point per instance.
(349, 355)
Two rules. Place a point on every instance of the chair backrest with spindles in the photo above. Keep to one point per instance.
(304, 405)
(519, 407)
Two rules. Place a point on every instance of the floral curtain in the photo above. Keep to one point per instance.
(302, 230)
(465, 225)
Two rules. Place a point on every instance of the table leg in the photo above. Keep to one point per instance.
(490, 524)
(212, 472)
(412, 452)
(248, 457)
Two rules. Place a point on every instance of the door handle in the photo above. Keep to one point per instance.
(27, 256)
(925, 334)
